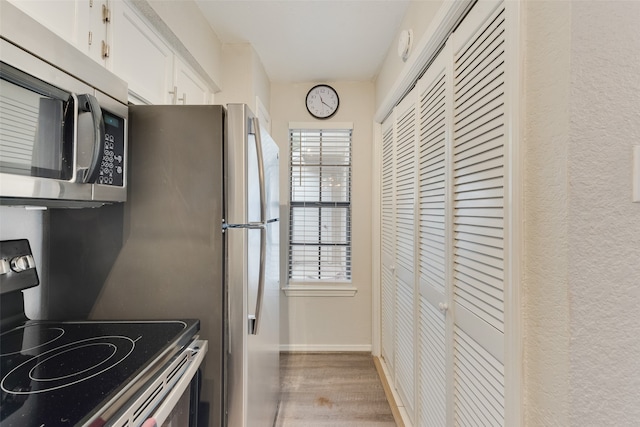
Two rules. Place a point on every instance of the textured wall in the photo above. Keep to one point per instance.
(545, 292)
(604, 226)
(582, 266)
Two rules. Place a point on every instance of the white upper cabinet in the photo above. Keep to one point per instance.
(61, 17)
(140, 57)
(156, 75)
(96, 29)
(83, 23)
(189, 87)
(115, 35)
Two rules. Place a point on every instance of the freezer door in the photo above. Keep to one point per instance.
(243, 171)
(271, 160)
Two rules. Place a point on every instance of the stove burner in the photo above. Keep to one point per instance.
(33, 336)
(67, 365)
(80, 371)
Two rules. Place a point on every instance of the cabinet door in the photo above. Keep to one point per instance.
(189, 88)
(66, 18)
(140, 57)
(80, 22)
(96, 32)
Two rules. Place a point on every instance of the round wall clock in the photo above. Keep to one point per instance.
(322, 101)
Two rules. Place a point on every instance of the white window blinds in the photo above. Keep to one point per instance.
(320, 204)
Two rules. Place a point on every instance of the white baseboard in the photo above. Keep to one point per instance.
(322, 348)
(404, 421)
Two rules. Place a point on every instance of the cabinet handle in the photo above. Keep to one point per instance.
(443, 307)
(174, 95)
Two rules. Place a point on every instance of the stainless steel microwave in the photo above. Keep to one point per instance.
(63, 121)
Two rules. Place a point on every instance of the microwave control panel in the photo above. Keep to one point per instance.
(113, 158)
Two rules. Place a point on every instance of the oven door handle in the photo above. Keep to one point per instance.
(163, 411)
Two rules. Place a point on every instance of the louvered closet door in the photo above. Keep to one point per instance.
(478, 216)
(405, 187)
(388, 299)
(434, 106)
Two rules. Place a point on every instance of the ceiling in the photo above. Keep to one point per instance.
(311, 40)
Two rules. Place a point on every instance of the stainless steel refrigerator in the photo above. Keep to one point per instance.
(197, 238)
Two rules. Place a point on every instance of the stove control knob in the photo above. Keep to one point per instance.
(4, 266)
(22, 263)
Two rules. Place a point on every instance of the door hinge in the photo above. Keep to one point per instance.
(90, 38)
(106, 14)
(90, 3)
(105, 49)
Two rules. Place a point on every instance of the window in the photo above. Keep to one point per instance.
(320, 205)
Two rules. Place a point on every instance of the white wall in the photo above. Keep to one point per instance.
(244, 77)
(582, 282)
(419, 16)
(604, 226)
(545, 292)
(332, 323)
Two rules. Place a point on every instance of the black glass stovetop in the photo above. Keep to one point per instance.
(63, 373)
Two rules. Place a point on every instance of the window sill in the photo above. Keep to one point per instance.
(320, 291)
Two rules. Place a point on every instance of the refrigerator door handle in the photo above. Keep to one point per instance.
(254, 320)
(258, 140)
(250, 226)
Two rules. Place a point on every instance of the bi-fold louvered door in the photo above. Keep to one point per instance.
(434, 103)
(443, 218)
(388, 284)
(405, 263)
(478, 179)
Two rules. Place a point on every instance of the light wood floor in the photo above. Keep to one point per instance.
(332, 390)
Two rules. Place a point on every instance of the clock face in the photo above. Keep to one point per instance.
(322, 101)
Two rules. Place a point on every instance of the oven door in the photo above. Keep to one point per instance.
(168, 399)
(180, 407)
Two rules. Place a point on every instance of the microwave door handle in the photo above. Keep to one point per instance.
(90, 103)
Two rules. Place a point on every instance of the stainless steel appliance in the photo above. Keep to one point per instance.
(197, 237)
(90, 373)
(63, 120)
